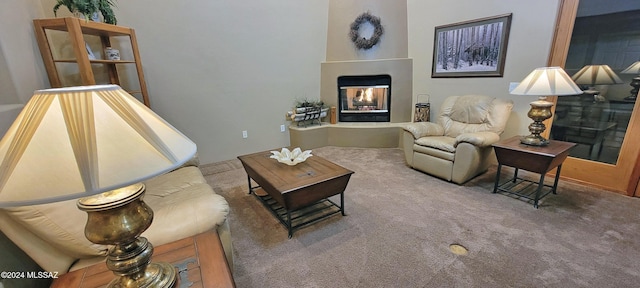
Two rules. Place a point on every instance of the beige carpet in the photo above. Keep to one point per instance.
(401, 222)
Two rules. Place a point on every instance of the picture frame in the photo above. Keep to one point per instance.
(475, 48)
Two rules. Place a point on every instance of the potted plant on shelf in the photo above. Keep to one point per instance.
(89, 9)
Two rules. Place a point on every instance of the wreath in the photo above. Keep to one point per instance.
(362, 42)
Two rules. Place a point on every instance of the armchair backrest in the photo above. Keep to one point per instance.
(474, 113)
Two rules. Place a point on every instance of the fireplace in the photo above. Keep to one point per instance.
(364, 98)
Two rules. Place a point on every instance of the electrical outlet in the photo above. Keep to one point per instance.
(282, 129)
(244, 134)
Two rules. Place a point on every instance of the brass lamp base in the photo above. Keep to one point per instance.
(156, 275)
(118, 217)
(534, 140)
(540, 111)
(635, 83)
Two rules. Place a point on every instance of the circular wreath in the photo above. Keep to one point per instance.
(362, 42)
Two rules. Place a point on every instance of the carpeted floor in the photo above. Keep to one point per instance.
(400, 224)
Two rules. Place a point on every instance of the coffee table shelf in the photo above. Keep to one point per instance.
(296, 219)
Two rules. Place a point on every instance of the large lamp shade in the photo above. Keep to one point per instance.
(75, 142)
(547, 81)
(596, 75)
(634, 68)
(542, 82)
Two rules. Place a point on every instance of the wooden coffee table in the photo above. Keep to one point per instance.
(297, 195)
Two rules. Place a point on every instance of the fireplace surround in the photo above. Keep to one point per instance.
(364, 98)
(400, 70)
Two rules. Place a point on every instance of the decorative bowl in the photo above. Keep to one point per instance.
(291, 157)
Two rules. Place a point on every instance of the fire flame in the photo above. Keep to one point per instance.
(366, 95)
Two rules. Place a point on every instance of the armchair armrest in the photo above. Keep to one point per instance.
(480, 139)
(422, 129)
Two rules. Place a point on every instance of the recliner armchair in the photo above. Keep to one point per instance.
(457, 147)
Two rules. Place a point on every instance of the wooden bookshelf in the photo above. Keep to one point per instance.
(76, 29)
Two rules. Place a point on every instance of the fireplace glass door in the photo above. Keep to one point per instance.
(364, 99)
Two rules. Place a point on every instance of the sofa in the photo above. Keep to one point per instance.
(183, 204)
(457, 147)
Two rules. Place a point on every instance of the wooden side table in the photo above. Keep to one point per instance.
(200, 261)
(538, 159)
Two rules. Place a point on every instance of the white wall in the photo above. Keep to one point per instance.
(215, 68)
(9, 95)
(529, 44)
(21, 54)
(21, 72)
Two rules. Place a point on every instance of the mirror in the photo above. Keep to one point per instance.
(605, 32)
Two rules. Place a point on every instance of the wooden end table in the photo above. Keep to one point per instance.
(296, 195)
(538, 159)
(200, 261)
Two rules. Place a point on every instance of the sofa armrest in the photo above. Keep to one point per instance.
(194, 161)
(480, 139)
(422, 129)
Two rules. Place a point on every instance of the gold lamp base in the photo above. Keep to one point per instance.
(540, 111)
(635, 83)
(118, 218)
(534, 140)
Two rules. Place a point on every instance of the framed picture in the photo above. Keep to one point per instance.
(475, 48)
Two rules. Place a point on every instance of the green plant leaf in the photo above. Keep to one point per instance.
(88, 8)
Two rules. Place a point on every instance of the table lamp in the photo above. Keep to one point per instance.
(542, 82)
(96, 143)
(635, 83)
(592, 75)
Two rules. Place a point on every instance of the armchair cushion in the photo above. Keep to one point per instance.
(422, 129)
(184, 205)
(473, 113)
(61, 224)
(438, 142)
(470, 109)
(481, 139)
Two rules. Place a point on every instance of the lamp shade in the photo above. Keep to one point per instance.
(74, 142)
(632, 69)
(596, 75)
(547, 81)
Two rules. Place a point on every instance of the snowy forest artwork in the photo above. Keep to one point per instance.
(471, 49)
